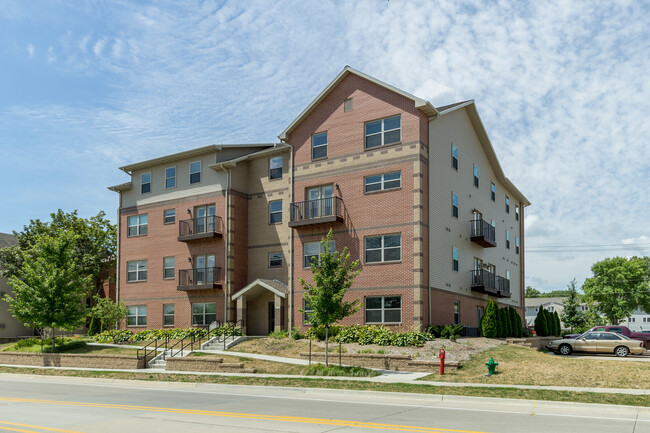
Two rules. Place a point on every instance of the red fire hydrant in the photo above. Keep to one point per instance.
(441, 355)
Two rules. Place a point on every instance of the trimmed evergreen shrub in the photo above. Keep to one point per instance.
(95, 327)
(541, 327)
(490, 320)
(558, 324)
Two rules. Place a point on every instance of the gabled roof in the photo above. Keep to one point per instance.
(536, 302)
(277, 148)
(273, 286)
(7, 240)
(420, 104)
(477, 123)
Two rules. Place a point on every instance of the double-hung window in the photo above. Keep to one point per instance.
(384, 248)
(384, 131)
(275, 212)
(138, 225)
(136, 315)
(169, 268)
(517, 213)
(507, 239)
(307, 311)
(275, 260)
(169, 216)
(195, 172)
(454, 157)
(275, 168)
(454, 205)
(383, 309)
(312, 252)
(507, 204)
(319, 146)
(476, 175)
(168, 314)
(493, 191)
(204, 313)
(145, 183)
(517, 245)
(136, 271)
(382, 182)
(456, 312)
(454, 255)
(170, 177)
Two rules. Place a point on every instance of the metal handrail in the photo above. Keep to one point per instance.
(206, 224)
(311, 209)
(482, 277)
(147, 350)
(233, 326)
(503, 284)
(479, 227)
(196, 276)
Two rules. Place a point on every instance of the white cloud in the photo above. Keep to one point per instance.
(99, 47)
(83, 44)
(51, 56)
(30, 50)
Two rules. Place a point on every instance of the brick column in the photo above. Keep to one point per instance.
(241, 312)
(278, 313)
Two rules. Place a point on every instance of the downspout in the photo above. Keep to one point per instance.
(227, 238)
(117, 264)
(290, 243)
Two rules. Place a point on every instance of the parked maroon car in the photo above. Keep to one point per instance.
(623, 330)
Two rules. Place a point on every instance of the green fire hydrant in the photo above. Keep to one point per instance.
(491, 366)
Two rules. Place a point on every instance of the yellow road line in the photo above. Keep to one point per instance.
(295, 419)
(32, 426)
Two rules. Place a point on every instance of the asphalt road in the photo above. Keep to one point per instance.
(66, 404)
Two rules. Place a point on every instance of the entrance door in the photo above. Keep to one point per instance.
(204, 218)
(204, 269)
(271, 317)
(320, 201)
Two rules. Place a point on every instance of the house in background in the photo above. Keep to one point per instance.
(415, 192)
(10, 328)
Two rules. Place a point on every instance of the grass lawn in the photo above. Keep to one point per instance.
(580, 397)
(69, 346)
(261, 365)
(285, 347)
(523, 366)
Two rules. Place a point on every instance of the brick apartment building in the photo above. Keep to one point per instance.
(415, 192)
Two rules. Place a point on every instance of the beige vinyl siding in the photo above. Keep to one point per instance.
(447, 232)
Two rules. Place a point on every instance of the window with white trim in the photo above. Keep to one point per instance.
(507, 204)
(145, 183)
(517, 245)
(456, 312)
(275, 260)
(195, 172)
(275, 168)
(136, 315)
(169, 268)
(275, 212)
(170, 177)
(138, 225)
(507, 239)
(454, 259)
(204, 313)
(313, 250)
(508, 275)
(454, 157)
(383, 248)
(517, 213)
(169, 216)
(476, 175)
(168, 314)
(493, 191)
(383, 182)
(454, 205)
(136, 271)
(319, 145)
(383, 309)
(307, 310)
(384, 131)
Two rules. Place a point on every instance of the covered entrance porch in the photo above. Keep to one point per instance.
(261, 306)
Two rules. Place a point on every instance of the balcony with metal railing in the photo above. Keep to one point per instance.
(200, 228)
(324, 210)
(482, 233)
(483, 281)
(199, 278)
(503, 287)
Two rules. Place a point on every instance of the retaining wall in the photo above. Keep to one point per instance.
(205, 364)
(383, 362)
(72, 360)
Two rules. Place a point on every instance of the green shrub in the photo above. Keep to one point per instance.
(296, 334)
(318, 332)
(451, 332)
(526, 333)
(541, 326)
(120, 336)
(95, 327)
(279, 335)
(434, 330)
(27, 342)
(335, 370)
(490, 324)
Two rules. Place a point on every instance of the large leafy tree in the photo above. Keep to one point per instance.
(531, 292)
(571, 314)
(49, 287)
(94, 244)
(333, 275)
(619, 286)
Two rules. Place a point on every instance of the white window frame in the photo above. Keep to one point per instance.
(203, 314)
(271, 168)
(140, 268)
(172, 217)
(455, 205)
(307, 309)
(516, 212)
(306, 263)
(166, 314)
(195, 172)
(136, 313)
(493, 191)
(507, 239)
(454, 156)
(271, 259)
(382, 182)
(476, 176)
(315, 147)
(455, 259)
(507, 204)
(143, 183)
(167, 178)
(166, 267)
(383, 309)
(142, 229)
(275, 212)
(382, 248)
(517, 245)
(456, 312)
(382, 132)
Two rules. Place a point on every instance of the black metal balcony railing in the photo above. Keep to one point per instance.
(199, 228)
(483, 281)
(199, 278)
(503, 287)
(482, 233)
(329, 209)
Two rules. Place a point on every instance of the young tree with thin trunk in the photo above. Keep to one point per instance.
(109, 314)
(333, 275)
(571, 314)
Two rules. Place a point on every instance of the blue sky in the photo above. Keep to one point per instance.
(562, 88)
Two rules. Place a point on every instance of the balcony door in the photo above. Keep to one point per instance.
(320, 202)
(204, 219)
(204, 269)
(477, 217)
